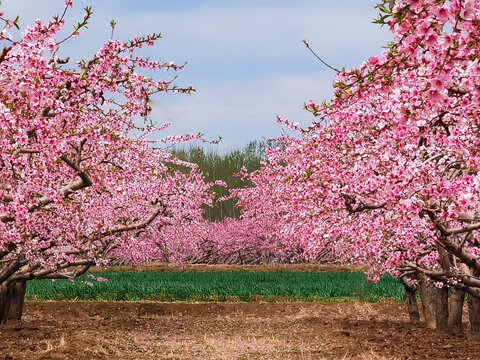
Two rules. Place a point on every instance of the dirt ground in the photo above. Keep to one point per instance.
(149, 330)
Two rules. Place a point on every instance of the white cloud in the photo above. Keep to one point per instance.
(247, 63)
(261, 34)
(246, 111)
(215, 35)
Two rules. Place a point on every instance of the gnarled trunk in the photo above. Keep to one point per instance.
(12, 296)
(17, 300)
(5, 299)
(474, 313)
(434, 303)
(455, 310)
(412, 304)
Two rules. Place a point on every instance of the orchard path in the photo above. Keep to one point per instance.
(152, 330)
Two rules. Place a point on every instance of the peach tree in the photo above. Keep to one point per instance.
(388, 173)
(79, 177)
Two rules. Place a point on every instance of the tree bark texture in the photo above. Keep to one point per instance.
(412, 304)
(12, 296)
(5, 298)
(455, 310)
(474, 313)
(17, 300)
(434, 303)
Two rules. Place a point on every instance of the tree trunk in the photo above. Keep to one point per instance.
(455, 310)
(434, 303)
(412, 304)
(12, 296)
(474, 313)
(5, 298)
(17, 300)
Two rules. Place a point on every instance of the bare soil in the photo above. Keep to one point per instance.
(149, 330)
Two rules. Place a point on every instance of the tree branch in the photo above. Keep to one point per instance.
(66, 190)
(137, 225)
(319, 58)
(350, 202)
(467, 283)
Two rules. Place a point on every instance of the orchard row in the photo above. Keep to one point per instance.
(386, 176)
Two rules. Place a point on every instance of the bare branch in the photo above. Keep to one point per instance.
(434, 157)
(72, 270)
(457, 90)
(319, 58)
(459, 230)
(467, 283)
(10, 269)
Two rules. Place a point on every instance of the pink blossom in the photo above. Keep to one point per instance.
(373, 60)
(83, 182)
(439, 83)
(393, 170)
(441, 13)
(434, 95)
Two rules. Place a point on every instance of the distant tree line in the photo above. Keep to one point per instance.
(224, 166)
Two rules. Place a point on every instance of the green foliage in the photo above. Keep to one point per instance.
(217, 166)
(385, 12)
(218, 286)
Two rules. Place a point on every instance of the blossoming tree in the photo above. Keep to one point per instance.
(388, 174)
(78, 177)
(235, 241)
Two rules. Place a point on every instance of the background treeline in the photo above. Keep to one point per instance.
(223, 166)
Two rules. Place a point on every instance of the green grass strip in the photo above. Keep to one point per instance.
(218, 286)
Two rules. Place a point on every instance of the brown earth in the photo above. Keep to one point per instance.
(304, 267)
(149, 330)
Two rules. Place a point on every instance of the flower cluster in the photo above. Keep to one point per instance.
(388, 175)
(75, 183)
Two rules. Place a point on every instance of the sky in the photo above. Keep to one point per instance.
(245, 58)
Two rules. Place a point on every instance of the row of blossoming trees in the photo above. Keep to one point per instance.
(388, 174)
(79, 180)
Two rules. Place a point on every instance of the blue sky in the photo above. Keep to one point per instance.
(245, 57)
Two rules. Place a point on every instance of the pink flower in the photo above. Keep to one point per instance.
(441, 13)
(373, 60)
(434, 95)
(439, 83)
(468, 12)
(445, 41)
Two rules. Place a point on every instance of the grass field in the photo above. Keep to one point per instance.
(218, 286)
